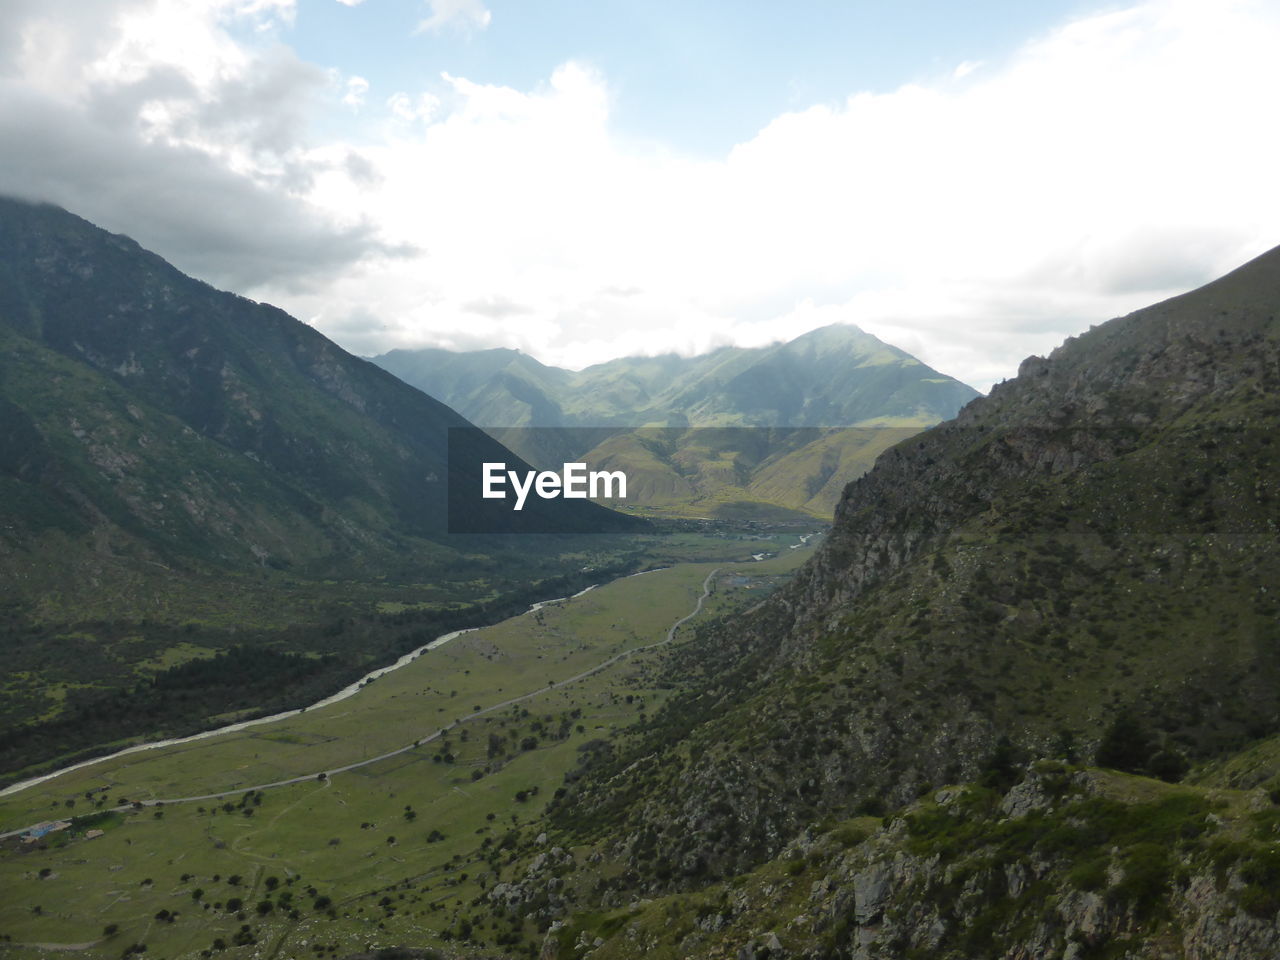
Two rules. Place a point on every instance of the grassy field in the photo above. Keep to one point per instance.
(392, 852)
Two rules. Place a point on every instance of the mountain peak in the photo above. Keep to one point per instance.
(834, 376)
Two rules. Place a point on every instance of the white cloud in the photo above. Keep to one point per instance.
(357, 87)
(147, 117)
(407, 109)
(463, 13)
(971, 219)
(1116, 161)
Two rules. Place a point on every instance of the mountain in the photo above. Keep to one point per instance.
(780, 426)
(836, 376)
(891, 757)
(179, 463)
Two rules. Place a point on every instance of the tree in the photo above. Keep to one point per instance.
(1169, 765)
(1000, 770)
(1125, 745)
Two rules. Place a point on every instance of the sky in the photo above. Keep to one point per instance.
(584, 180)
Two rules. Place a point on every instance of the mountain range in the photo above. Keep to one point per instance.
(835, 376)
(738, 430)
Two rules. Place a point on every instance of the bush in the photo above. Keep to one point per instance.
(1090, 875)
(849, 836)
(1147, 870)
(1169, 765)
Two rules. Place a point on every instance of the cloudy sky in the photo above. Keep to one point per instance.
(585, 179)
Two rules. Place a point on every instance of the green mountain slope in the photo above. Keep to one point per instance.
(803, 396)
(178, 464)
(1080, 567)
(113, 356)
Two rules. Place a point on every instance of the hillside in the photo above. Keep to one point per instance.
(1080, 568)
(1021, 702)
(739, 431)
(184, 471)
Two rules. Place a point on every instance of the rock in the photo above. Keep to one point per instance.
(870, 890)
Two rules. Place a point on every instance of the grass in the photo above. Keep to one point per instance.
(331, 835)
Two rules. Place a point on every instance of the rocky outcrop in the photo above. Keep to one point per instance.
(997, 589)
(1059, 866)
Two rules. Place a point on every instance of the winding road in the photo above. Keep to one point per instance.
(326, 774)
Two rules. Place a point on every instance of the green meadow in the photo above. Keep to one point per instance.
(391, 852)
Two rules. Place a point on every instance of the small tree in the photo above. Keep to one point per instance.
(1001, 770)
(1125, 745)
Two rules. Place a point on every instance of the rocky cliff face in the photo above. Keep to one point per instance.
(1067, 863)
(1093, 545)
(1204, 362)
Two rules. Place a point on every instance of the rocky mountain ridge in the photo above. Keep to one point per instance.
(1080, 567)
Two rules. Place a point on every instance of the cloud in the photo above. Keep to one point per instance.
(463, 13)
(496, 307)
(204, 218)
(1111, 163)
(406, 109)
(971, 218)
(145, 117)
(357, 87)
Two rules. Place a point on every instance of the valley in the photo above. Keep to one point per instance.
(1019, 699)
(499, 716)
